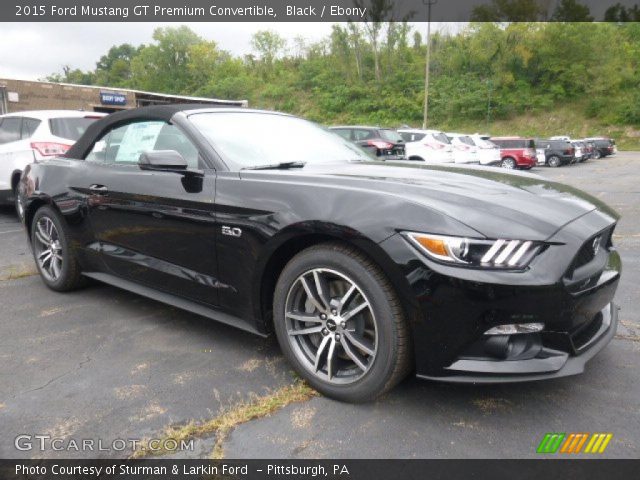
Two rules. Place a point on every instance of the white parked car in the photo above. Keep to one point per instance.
(488, 152)
(464, 148)
(431, 146)
(35, 135)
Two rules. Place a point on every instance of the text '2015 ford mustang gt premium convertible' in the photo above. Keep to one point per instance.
(365, 270)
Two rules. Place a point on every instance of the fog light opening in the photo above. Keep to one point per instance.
(515, 328)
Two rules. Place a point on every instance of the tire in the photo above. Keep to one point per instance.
(597, 154)
(50, 233)
(371, 350)
(509, 163)
(554, 161)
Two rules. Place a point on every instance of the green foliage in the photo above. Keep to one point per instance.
(571, 11)
(509, 11)
(374, 72)
(621, 13)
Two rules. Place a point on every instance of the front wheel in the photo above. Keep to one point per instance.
(509, 163)
(597, 154)
(340, 324)
(554, 161)
(52, 251)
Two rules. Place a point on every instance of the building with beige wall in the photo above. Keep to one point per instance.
(22, 95)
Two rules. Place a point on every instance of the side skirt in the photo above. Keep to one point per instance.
(175, 301)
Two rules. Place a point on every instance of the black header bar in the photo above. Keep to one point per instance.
(591, 469)
(316, 10)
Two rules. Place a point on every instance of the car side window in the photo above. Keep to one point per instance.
(123, 145)
(343, 132)
(29, 126)
(10, 130)
(412, 137)
(359, 135)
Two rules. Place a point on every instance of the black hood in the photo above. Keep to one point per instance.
(494, 203)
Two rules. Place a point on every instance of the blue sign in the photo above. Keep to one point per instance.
(108, 98)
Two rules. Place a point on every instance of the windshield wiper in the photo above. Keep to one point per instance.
(277, 166)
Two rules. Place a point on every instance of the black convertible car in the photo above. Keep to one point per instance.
(365, 270)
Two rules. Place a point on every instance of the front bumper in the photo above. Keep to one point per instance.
(550, 363)
(451, 308)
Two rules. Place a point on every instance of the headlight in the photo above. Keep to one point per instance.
(471, 252)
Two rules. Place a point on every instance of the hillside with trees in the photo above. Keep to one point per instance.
(520, 78)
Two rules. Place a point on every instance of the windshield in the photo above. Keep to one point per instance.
(251, 139)
(391, 136)
(70, 128)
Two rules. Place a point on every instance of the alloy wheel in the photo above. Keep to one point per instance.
(554, 161)
(48, 249)
(331, 326)
(509, 163)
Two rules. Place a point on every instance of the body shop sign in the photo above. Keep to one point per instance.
(110, 98)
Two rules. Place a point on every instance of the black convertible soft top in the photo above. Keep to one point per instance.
(156, 112)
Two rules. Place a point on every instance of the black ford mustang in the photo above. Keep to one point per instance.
(364, 270)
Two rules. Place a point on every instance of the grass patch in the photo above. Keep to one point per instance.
(14, 272)
(569, 119)
(231, 417)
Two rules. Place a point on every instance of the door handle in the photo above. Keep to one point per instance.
(100, 189)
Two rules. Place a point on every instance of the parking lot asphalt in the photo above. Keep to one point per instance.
(104, 364)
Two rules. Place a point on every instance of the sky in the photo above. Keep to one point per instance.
(31, 51)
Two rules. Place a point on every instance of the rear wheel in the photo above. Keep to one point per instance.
(52, 251)
(554, 161)
(339, 323)
(508, 162)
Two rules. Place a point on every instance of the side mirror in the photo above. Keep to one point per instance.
(162, 161)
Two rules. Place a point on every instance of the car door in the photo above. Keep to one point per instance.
(153, 227)
(15, 150)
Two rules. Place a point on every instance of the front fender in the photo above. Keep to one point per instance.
(291, 240)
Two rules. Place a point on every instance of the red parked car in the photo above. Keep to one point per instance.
(516, 152)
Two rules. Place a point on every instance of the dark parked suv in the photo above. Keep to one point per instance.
(384, 143)
(516, 152)
(556, 152)
(604, 147)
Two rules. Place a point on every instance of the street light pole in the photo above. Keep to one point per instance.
(428, 3)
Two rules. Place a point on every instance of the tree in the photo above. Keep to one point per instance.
(509, 11)
(619, 13)
(571, 11)
(377, 13)
(114, 68)
(268, 45)
(163, 66)
(72, 75)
